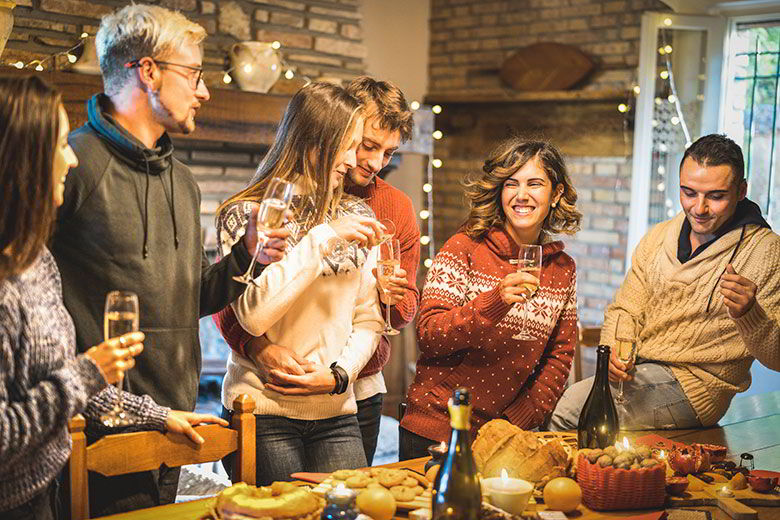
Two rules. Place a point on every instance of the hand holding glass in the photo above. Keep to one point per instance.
(338, 248)
(120, 317)
(625, 346)
(389, 261)
(529, 261)
(270, 216)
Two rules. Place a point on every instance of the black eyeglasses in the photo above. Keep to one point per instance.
(194, 79)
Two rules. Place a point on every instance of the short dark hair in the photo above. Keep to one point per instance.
(384, 100)
(716, 150)
(29, 129)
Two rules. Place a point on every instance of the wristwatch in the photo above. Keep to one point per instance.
(342, 379)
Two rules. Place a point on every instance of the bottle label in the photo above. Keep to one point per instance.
(460, 417)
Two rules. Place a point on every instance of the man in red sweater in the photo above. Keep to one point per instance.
(388, 122)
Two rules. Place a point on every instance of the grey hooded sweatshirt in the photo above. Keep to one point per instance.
(131, 221)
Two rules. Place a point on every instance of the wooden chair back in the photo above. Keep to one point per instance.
(143, 451)
(587, 337)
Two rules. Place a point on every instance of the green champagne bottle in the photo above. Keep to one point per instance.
(598, 425)
(457, 494)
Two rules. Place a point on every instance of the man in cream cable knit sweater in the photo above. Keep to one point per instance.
(704, 292)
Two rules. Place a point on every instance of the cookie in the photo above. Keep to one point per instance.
(409, 482)
(418, 490)
(403, 493)
(344, 474)
(391, 477)
(357, 481)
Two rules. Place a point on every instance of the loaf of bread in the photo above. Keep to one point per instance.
(502, 445)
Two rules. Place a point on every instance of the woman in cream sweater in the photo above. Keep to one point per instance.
(319, 312)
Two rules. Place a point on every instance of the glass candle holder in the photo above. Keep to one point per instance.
(437, 453)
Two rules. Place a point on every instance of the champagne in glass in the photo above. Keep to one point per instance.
(625, 344)
(389, 261)
(529, 261)
(275, 202)
(119, 317)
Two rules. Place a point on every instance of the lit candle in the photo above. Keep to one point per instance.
(509, 494)
(662, 455)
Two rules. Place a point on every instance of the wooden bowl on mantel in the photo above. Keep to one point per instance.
(545, 66)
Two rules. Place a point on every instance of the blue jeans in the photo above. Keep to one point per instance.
(286, 446)
(654, 401)
(369, 415)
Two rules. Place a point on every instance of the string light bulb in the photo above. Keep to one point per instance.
(428, 263)
(275, 45)
(661, 186)
(71, 58)
(664, 74)
(636, 89)
(39, 67)
(19, 65)
(427, 188)
(661, 169)
(668, 49)
(425, 240)
(415, 105)
(663, 147)
(226, 79)
(436, 109)
(436, 163)
(675, 120)
(658, 101)
(667, 22)
(289, 74)
(247, 67)
(424, 214)
(672, 98)
(622, 108)
(661, 51)
(654, 123)
(84, 35)
(437, 134)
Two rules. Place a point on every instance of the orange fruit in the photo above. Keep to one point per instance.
(376, 502)
(562, 494)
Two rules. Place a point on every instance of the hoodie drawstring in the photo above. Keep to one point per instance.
(146, 213)
(171, 208)
(171, 205)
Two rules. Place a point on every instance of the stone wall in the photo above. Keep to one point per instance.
(470, 39)
(319, 38)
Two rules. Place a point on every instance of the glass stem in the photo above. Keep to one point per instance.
(118, 404)
(387, 312)
(620, 390)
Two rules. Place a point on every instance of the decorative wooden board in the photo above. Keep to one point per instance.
(420, 501)
(545, 66)
(737, 507)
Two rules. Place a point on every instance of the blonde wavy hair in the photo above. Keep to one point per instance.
(137, 31)
(483, 193)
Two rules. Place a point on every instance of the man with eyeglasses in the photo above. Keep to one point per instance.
(131, 221)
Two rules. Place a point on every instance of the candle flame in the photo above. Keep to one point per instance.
(625, 443)
(504, 476)
(341, 486)
(443, 446)
(662, 454)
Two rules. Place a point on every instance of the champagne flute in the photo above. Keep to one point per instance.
(338, 248)
(270, 216)
(625, 342)
(529, 260)
(120, 316)
(389, 261)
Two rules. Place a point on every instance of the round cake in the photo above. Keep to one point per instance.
(279, 501)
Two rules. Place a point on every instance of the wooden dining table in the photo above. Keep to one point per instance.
(751, 425)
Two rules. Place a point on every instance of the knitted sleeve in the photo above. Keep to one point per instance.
(143, 413)
(448, 320)
(634, 293)
(32, 411)
(235, 335)
(366, 323)
(408, 233)
(547, 382)
(759, 327)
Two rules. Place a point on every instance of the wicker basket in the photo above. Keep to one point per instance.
(606, 489)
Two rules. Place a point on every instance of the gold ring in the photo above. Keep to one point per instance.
(122, 341)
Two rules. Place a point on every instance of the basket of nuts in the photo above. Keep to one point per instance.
(627, 479)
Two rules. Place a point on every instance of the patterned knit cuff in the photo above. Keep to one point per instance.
(521, 413)
(158, 417)
(750, 322)
(90, 375)
(491, 306)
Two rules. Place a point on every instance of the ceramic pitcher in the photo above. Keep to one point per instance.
(256, 66)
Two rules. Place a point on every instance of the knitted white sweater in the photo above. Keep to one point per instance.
(323, 310)
(709, 352)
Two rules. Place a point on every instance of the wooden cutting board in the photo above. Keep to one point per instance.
(737, 507)
(545, 66)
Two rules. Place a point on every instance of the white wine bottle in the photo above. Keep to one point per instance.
(598, 425)
(457, 494)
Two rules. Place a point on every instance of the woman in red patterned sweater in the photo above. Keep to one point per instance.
(473, 300)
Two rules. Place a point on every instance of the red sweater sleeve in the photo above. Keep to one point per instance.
(234, 334)
(448, 322)
(545, 386)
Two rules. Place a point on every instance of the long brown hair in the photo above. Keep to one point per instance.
(314, 130)
(29, 128)
(484, 192)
